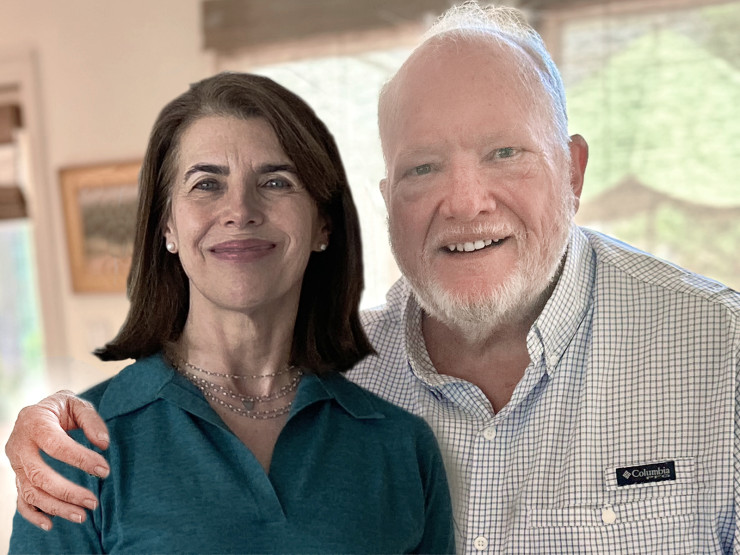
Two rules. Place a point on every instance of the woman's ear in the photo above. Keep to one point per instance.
(170, 236)
(323, 236)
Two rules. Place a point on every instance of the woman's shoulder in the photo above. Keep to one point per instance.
(134, 385)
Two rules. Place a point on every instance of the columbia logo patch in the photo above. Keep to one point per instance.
(646, 473)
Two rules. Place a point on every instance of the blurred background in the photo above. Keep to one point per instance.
(653, 86)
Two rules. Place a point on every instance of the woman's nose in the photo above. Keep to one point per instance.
(243, 207)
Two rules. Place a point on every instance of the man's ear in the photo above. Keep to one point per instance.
(578, 160)
(384, 190)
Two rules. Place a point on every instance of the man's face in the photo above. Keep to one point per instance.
(479, 197)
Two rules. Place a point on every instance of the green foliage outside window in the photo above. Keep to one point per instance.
(656, 96)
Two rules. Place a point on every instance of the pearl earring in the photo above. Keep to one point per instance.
(171, 246)
(322, 247)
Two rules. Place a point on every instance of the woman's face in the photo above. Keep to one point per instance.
(243, 224)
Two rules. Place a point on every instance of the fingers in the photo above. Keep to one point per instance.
(74, 412)
(67, 450)
(36, 506)
(32, 515)
(58, 445)
(42, 427)
(38, 483)
(89, 420)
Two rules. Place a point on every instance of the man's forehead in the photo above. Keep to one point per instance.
(450, 52)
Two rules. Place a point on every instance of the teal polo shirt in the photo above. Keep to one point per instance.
(350, 473)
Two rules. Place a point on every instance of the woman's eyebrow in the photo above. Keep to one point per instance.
(206, 168)
(268, 168)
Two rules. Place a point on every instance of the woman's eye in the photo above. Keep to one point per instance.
(277, 183)
(207, 185)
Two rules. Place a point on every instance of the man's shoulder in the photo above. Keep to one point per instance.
(389, 313)
(385, 324)
(638, 268)
(386, 372)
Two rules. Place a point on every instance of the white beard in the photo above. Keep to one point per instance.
(477, 314)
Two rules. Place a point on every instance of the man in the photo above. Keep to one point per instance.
(584, 393)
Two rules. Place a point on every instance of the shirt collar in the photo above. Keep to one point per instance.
(416, 349)
(568, 305)
(152, 378)
(356, 401)
(148, 380)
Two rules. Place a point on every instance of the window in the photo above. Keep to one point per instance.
(654, 88)
(21, 348)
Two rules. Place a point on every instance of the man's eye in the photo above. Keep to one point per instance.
(506, 152)
(422, 170)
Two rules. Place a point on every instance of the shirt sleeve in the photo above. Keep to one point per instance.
(65, 536)
(439, 531)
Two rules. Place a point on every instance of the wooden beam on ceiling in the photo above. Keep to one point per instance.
(231, 25)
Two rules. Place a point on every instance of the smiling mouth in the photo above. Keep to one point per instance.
(231, 250)
(242, 246)
(472, 246)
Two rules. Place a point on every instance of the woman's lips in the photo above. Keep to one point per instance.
(242, 250)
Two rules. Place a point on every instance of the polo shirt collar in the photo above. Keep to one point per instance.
(356, 401)
(153, 378)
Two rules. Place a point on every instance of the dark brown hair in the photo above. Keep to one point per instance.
(328, 335)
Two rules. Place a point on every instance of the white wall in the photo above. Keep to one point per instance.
(103, 70)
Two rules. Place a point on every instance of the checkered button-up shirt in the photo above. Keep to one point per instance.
(622, 436)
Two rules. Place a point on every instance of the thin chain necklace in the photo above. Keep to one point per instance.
(235, 376)
(216, 392)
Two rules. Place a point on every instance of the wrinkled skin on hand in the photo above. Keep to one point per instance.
(42, 427)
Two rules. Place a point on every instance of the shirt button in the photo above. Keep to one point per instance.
(608, 516)
(480, 543)
(552, 360)
(490, 433)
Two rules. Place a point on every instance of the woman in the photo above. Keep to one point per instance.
(234, 431)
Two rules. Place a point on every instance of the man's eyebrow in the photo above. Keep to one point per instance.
(206, 168)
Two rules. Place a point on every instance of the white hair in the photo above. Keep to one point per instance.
(504, 26)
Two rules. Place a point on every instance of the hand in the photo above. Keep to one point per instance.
(43, 427)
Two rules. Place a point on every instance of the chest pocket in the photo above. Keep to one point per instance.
(651, 517)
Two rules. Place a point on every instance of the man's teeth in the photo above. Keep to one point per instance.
(471, 246)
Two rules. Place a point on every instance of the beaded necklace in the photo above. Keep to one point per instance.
(246, 403)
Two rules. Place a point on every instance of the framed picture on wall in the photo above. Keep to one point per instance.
(100, 216)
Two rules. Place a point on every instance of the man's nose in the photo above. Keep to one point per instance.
(466, 195)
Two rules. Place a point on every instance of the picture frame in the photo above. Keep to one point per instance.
(100, 203)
